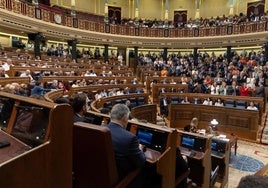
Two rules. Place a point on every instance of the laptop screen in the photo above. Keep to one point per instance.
(218, 145)
(187, 141)
(214, 146)
(144, 137)
(193, 142)
(152, 138)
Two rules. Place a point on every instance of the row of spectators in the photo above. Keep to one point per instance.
(247, 70)
(194, 23)
(209, 71)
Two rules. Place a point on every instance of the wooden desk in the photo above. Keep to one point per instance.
(233, 141)
(151, 155)
(263, 171)
(220, 156)
(192, 154)
(243, 123)
(16, 147)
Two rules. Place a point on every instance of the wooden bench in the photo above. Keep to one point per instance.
(36, 159)
(94, 160)
(93, 89)
(95, 105)
(225, 98)
(19, 80)
(89, 79)
(243, 123)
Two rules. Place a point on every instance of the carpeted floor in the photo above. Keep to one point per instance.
(249, 159)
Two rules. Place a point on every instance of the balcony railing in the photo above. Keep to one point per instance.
(58, 16)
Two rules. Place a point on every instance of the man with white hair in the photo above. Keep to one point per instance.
(7, 64)
(27, 73)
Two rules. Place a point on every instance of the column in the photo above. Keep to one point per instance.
(197, 13)
(165, 54)
(231, 3)
(136, 56)
(166, 14)
(195, 56)
(106, 19)
(106, 56)
(136, 16)
(38, 37)
(74, 49)
(37, 51)
(229, 55)
(73, 12)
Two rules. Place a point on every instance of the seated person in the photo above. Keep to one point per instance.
(38, 90)
(207, 101)
(78, 102)
(185, 100)
(128, 153)
(193, 126)
(252, 106)
(219, 102)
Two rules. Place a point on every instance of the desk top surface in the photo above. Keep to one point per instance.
(15, 148)
(151, 155)
(192, 153)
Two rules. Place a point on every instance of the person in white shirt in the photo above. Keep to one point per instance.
(207, 101)
(27, 73)
(219, 102)
(120, 58)
(252, 106)
(104, 93)
(7, 64)
(98, 96)
(214, 89)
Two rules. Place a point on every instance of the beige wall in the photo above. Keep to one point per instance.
(155, 8)
(5, 40)
(214, 8)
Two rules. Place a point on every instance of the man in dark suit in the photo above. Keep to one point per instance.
(128, 152)
(164, 102)
(78, 102)
(259, 90)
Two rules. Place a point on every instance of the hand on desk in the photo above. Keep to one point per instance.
(142, 147)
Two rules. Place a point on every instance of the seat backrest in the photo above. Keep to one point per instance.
(175, 100)
(93, 157)
(229, 103)
(141, 101)
(241, 104)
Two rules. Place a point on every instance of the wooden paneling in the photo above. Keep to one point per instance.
(243, 123)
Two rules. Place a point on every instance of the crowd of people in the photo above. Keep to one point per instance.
(208, 69)
(243, 74)
(193, 23)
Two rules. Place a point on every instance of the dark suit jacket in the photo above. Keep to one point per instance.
(259, 92)
(128, 156)
(77, 118)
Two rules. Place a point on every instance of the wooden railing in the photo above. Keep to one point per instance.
(34, 157)
(243, 123)
(48, 14)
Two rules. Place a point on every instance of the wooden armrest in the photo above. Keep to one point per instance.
(162, 161)
(130, 176)
(182, 177)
